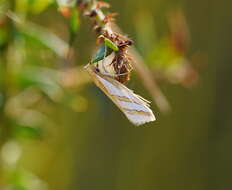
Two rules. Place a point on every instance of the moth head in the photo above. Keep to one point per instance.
(105, 65)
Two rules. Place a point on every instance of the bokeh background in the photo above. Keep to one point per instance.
(68, 135)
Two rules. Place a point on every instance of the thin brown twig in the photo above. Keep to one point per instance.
(104, 25)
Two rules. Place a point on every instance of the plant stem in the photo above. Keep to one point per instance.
(140, 67)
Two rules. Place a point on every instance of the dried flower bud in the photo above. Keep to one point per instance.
(92, 13)
(65, 11)
(97, 28)
(100, 39)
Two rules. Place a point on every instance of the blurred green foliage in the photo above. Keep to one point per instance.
(59, 132)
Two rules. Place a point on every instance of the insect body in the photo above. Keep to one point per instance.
(105, 65)
(121, 61)
(133, 106)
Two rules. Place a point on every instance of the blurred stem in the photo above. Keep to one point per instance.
(5, 130)
(149, 82)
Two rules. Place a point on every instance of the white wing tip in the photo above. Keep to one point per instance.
(137, 120)
(145, 121)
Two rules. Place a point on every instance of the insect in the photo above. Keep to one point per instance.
(133, 106)
(121, 62)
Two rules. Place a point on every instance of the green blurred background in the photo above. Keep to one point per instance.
(64, 138)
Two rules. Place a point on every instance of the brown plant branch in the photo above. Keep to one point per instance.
(103, 25)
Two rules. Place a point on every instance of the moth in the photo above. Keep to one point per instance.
(135, 108)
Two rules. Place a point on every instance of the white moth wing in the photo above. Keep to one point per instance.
(133, 106)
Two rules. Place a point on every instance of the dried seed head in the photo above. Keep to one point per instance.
(100, 39)
(97, 28)
(92, 13)
(102, 4)
(126, 43)
(110, 17)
